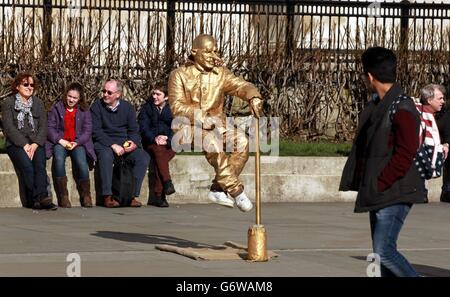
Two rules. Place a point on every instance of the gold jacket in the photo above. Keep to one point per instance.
(190, 89)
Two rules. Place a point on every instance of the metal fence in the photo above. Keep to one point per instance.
(301, 54)
(115, 29)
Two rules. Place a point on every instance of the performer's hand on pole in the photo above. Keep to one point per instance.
(256, 107)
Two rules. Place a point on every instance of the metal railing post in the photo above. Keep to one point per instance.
(47, 29)
(170, 35)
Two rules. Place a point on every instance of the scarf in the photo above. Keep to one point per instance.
(430, 128)
(24, 109)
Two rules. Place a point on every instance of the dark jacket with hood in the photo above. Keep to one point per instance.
(380, 166)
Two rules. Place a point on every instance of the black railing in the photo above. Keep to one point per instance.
(302, 54)
(240, 26)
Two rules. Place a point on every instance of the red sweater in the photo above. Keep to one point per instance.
(69, 124)
(406, 144)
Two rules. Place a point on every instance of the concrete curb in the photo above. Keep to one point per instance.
(283, 179)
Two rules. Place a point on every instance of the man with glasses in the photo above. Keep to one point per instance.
(115, 133)
(437, 93)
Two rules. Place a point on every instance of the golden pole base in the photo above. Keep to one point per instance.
(257, 244)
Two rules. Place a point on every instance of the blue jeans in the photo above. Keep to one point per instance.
(446, 188)
(79, 162)
(31, 172)
(385, 226)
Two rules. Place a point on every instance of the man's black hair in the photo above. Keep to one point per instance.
(381, 63)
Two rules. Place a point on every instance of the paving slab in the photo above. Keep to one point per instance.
(311, 239)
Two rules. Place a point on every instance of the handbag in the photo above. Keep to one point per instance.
(123, 181)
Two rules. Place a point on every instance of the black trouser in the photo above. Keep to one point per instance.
(445, 193)
(32, 172)
(105, 158)
(446, 176)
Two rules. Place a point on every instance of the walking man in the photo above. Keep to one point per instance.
(380, 166)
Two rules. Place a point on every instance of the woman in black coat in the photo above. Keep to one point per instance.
(25, 127)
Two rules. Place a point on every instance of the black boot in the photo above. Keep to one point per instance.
(445, 197)
(169, 189)
(158, 201)
(164, 201)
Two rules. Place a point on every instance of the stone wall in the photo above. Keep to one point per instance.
(283, 179)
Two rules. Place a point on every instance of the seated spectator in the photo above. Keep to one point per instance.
(115, 133)
(25, 127)
(155, 120)
(70, 134)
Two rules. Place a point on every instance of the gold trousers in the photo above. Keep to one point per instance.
(227, 153)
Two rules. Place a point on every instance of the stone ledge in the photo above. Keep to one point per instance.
(283, 179)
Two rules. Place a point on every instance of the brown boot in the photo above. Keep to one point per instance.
(84, 189)
(135, 203)
(45, 203)
(61, 192)
(110, 202)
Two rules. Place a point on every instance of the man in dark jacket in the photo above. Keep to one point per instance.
(443, 122)
(155, 121)
(115, 133)
(380, 166)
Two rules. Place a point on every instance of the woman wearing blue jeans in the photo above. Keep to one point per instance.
(70, 134)
(25, 127)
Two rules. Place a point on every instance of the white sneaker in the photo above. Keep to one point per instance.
(243, 203)
(220, 198)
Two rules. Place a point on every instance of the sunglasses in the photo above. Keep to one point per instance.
(26, 85)
(108, 92)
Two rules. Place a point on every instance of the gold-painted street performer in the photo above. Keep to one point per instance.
(196, 94)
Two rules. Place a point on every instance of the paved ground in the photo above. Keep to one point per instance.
(312, 239)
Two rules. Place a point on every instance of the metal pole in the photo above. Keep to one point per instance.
(404, 37)
(289, 42)
(257, 238)
(170, 35)
(47, 28)
(404, 23)
(257, 176)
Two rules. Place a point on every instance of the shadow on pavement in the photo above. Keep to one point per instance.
(431, 271)
(424, 270)
(151, 239)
